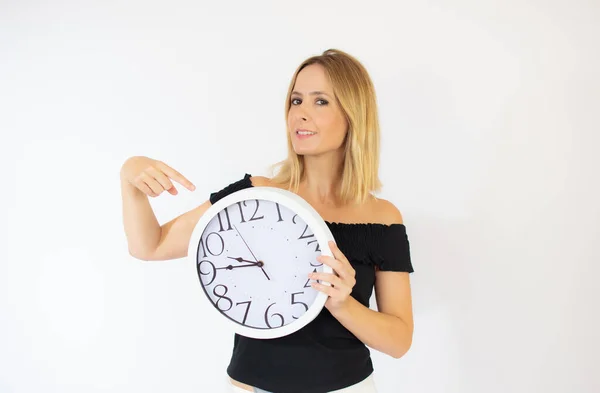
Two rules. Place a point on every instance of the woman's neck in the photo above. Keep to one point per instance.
(322, 178)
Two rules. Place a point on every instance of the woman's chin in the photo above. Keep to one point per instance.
(303, 151)
(316, 151)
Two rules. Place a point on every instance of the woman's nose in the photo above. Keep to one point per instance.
(302, 115)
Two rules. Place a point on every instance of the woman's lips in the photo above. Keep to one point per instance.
(304, 134)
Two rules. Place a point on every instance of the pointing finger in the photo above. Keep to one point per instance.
(163, 180)
(175, 175)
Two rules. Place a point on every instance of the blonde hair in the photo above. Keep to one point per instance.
(355, 94)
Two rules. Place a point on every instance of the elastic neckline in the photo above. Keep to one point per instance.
(247, 179)
(361, 224)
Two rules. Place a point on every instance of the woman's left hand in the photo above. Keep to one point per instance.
(342, 280)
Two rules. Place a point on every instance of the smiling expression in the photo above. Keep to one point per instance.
(316, 122)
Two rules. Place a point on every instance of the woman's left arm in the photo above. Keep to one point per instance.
(388, 330)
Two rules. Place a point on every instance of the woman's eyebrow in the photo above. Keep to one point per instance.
(313, 93)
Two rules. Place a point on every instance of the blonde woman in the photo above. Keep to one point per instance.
(332, 162)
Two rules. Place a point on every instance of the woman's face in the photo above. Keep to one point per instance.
(316, 123)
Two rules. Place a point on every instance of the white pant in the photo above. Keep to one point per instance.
(365, 386)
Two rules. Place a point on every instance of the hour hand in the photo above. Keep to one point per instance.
(240, 259)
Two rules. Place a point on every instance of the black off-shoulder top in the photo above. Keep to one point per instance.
(324, 355)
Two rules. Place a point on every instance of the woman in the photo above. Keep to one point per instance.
(333, 158)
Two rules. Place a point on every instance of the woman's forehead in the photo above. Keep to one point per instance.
(312, 78)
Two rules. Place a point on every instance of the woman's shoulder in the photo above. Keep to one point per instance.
(260, 181)
(382, 211)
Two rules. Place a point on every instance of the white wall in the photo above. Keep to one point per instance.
(490, 126)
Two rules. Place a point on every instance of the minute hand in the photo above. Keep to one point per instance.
(231, 267)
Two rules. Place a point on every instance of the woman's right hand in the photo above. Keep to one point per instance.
(152, 177)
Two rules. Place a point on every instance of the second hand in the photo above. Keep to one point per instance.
(256, 259)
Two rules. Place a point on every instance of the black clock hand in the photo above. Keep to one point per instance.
(231, 267)
(251, 252)
(259, 263)
(239, 259)
(263, 270)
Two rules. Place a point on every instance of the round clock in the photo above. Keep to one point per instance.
(253, 251)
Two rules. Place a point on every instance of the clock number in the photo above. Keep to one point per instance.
(241, 211)
(278, 212)
(317, 265)
(317, 248)
(221, 297)
(253, 218)
(276, 314)
(221, 223)
(202, 247)
(304, 236)
(205, 247)
(295, 302)
(212, 272)
(247, 309)
(307, 285)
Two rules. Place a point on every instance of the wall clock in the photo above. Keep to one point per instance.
(253, 251)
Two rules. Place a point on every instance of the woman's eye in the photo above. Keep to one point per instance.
(320, 102)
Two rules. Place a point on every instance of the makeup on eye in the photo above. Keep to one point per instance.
(325, 102)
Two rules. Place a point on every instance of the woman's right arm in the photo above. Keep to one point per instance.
(147, 240)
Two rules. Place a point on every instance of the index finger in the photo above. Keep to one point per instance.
(178, 177)
(338, 254)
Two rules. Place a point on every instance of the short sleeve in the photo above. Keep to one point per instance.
(231, 188)
(395, 250)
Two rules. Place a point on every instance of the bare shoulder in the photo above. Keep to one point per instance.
(260, 181)
(385, 212)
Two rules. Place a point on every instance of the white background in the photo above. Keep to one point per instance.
(489, 114)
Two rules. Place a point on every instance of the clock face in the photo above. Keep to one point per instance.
(253, 259)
